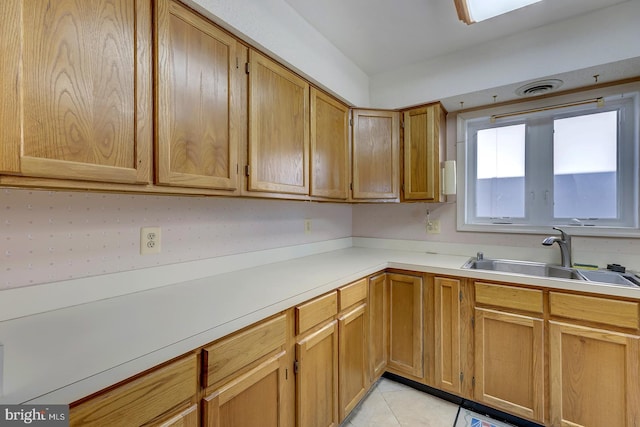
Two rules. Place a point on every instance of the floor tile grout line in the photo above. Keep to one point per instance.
(390, 409)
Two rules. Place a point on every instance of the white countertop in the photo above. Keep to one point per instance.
(62, 355)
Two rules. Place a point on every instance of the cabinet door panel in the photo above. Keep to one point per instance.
(317, 378)
(406, 325)
(186, 418)
(422, 153)
(250, 400)
(329, 146)
(197, 111)
(278, 128)
(353, 359)
(375, 154)
(378, 326)
(594, 377)
(78, 98)
(447, 334)
(510, 363)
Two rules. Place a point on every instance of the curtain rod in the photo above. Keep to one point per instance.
(599, 101)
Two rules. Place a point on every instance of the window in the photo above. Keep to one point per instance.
(572, 166)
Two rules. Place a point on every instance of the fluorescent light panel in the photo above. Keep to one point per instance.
(480, 10)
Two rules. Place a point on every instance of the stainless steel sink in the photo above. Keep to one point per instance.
(524, 267)
(611, 277)
(552, 270)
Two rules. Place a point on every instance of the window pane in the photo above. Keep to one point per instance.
(585, 152)
(500, 172)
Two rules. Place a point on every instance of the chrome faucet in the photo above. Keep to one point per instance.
(564, 241)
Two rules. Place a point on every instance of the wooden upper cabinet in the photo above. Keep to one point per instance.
(375, 154)
(197, 106)
(76, 88)
(278, 128)
(329, 147)
(423, 135)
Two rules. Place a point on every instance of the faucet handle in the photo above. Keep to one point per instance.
(479, 256)
(563, 233)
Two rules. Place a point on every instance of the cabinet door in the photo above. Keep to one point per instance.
(510, 363)
(353, 359)
(375, 154)
(406, 325)
(146, 398)
(422, 127)
(186, 418)
(317, 378)
(252, 399)
(378, 326)
(76, 89)
(447, 335)
(197, 105)
(329, 146)
(594, 377)
(278, 128)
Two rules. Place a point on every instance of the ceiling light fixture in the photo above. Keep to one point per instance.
(470, 11)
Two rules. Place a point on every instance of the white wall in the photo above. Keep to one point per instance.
(275, 27)
(48, 236)
(600, 37)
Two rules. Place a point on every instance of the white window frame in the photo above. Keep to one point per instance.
(625, 99)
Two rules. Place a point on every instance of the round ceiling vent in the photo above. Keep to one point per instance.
(539, 87)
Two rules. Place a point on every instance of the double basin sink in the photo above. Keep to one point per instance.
(552, 271)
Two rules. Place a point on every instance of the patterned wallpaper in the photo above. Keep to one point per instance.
(48, 236)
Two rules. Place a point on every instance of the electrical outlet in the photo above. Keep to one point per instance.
(149, 240)
(433, 226)
(307, 226)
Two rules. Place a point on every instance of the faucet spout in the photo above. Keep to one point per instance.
(564, 241)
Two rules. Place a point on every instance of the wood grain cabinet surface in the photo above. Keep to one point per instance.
(254, 398)
(329, 147)
(147, 399)
(375, 155)
(75, 79)
(594, 352)
(317, 377)
(510, 344)
(278, 128)
(197, 100)
(406, 326)
(423, 139)
(378, 303)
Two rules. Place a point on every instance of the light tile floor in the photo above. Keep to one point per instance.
(391, 404)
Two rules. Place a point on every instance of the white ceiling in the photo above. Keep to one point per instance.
(385, 35)
(382, 35)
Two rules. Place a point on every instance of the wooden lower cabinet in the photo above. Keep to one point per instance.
(447, 320)
(252, 399)
(406, 336)
(353, 366)
(378, 325)
(186, 418)
(594, 377)
(509, 365)
(147, 400)
(317, 377)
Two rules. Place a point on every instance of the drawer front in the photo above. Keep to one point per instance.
(223, 358)
(352, 294)
(594, 309)
(509, 297)
(316, 311)
(141, 400)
